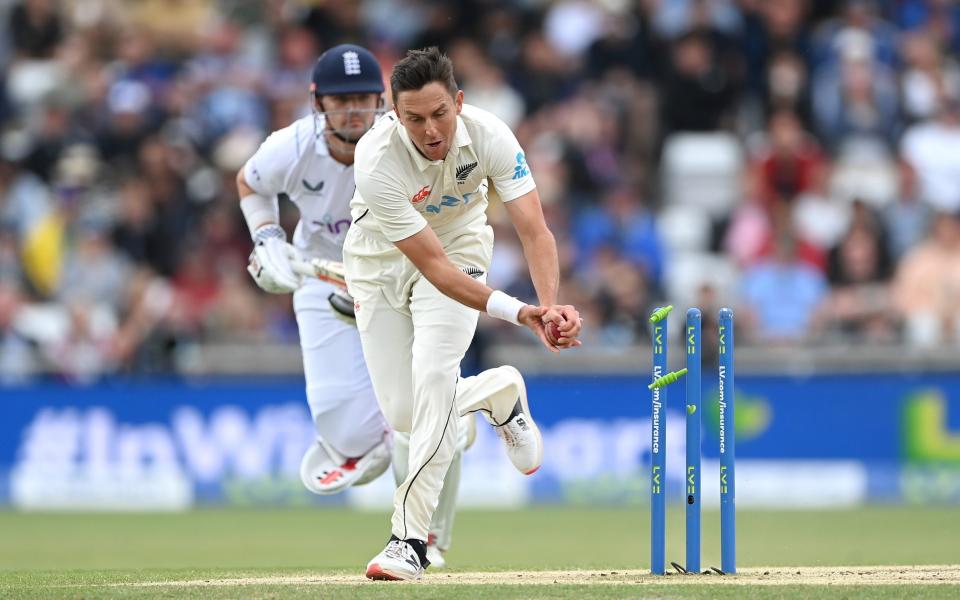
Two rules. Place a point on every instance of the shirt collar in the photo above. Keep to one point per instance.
(461, 138)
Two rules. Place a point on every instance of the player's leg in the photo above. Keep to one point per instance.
(342, 455)
(440, 536)
(353, 443)
(441, 526)
(444, 329)
(387, 336)
(500, 395)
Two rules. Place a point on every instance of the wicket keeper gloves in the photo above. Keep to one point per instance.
(270, 261)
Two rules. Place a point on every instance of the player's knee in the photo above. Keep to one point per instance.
(327, 398)
(397, 413)
(352, 424)
(508, 380)
(506, 384)
(510, 375)
(432, 379)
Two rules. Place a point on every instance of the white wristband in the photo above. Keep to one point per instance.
(504, 307)
(259, 211)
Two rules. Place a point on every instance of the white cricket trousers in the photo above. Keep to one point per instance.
(342, 401)
(414, 362)
(414, 338)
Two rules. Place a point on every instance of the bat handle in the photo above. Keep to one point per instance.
(302, 267)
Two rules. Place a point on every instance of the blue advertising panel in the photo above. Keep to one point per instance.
(825, 440)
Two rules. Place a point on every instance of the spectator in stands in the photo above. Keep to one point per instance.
(788, 87)
(626, 43)
(938, 20)
(908, 218)
(818, 216)
(859, 23)
(699, 89)
(927, 286)
(855, 95)
(544, 75)
(622, 293)
(782, 294)
(35, 28)
(624, 224)
(672, 19)
(484, 83)
(777, 51)
(930, 147)
(17, 360)
(859, 269)
(791, 164)
(927, 76)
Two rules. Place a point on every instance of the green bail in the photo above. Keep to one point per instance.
(668, 379)
(661, 313)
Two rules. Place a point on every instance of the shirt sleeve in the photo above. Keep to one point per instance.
(508, 170)
(266, 171)
(388, 204)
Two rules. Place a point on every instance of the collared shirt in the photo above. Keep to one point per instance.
(295, 163)
(400, 191)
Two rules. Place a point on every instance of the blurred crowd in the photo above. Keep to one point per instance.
(796, 159)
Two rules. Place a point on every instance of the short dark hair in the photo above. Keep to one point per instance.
(420, 67)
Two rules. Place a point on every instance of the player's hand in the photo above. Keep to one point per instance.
(342, 304)
(568, 323)
(270, 261)
(532, 317)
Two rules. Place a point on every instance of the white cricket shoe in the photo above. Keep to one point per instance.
(323, 471)
(435, 554)
(397, 562)
(521, 436)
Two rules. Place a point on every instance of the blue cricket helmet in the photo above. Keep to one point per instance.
(346, 69)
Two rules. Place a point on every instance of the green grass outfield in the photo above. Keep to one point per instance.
(320, 553)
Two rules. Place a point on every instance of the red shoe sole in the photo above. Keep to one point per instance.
(375, 572)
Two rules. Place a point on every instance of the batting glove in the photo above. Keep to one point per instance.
(270, 261)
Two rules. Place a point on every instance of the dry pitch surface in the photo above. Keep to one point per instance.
(841, 576)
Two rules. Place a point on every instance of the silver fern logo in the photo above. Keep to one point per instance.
(463, 171)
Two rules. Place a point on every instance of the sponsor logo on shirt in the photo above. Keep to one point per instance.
(449, 201)
(422, 195)
(333, 225)
(315, 188)
(463, 171)
(521, 170)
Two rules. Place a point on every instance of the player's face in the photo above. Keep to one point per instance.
(430, 117)
(350, 115)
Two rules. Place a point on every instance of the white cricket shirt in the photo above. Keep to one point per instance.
(294, 163)
(399, 191)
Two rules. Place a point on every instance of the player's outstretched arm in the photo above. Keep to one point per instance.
(540, 250)
(539, 245)
(426, 253)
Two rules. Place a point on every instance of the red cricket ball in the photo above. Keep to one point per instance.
(553, 332)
